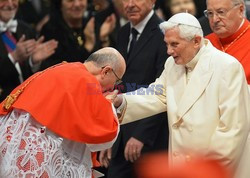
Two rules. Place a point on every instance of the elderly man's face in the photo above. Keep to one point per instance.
(224, 16)
(137, 10)
(111, 77)
(179, 48)
(8, 9)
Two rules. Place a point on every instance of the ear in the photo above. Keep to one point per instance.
(197, 41)
(242, 9)
(105, 70)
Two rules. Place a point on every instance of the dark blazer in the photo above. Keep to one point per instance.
(144, 65)
(8, 73)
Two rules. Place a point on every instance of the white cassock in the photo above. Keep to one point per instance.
(209, 116)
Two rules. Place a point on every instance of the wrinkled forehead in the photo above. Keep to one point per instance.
(219, 4)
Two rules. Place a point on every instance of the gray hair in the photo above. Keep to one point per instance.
(238, 2)
(101, 59)
(187, 32)
(235, 2)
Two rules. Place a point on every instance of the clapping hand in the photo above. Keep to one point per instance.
(107, 28)
(89, 33)
(43, 50)
(24, 48)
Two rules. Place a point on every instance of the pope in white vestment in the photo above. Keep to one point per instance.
(205, 94)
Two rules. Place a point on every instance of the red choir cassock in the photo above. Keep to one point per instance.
(67, 99)
(236, 45)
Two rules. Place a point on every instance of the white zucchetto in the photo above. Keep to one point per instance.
(185, 19)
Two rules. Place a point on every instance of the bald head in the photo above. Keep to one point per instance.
(107, 56)
(108, 66)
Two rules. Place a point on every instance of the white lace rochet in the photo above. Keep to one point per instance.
(29, 150)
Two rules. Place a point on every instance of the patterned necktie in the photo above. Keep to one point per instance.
(9, 41)
(134, 33)
(6, 30)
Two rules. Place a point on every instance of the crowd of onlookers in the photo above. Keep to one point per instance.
(77, 28)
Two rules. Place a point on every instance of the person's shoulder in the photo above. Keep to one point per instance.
(125, 28)
(154, 21)
(87, 75)
(217, 56)
(211, 36)
(221, 58)
(74, 70)
(157, 18)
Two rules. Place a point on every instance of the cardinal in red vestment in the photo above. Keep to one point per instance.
(53, 121)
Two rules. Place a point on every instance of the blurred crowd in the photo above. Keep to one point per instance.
(70, 30)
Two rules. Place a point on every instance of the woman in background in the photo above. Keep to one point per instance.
(74, 32)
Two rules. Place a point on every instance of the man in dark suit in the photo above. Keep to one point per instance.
(145, 56)
(20, 53)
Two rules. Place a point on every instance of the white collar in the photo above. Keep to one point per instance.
(11, 25)
(140, 26)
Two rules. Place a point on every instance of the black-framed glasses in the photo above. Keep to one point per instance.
(119, 80)
(221, 13)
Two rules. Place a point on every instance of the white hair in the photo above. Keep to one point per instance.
(238, 1)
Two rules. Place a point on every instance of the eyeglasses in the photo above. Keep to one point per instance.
(119, 80)
(222, 12)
